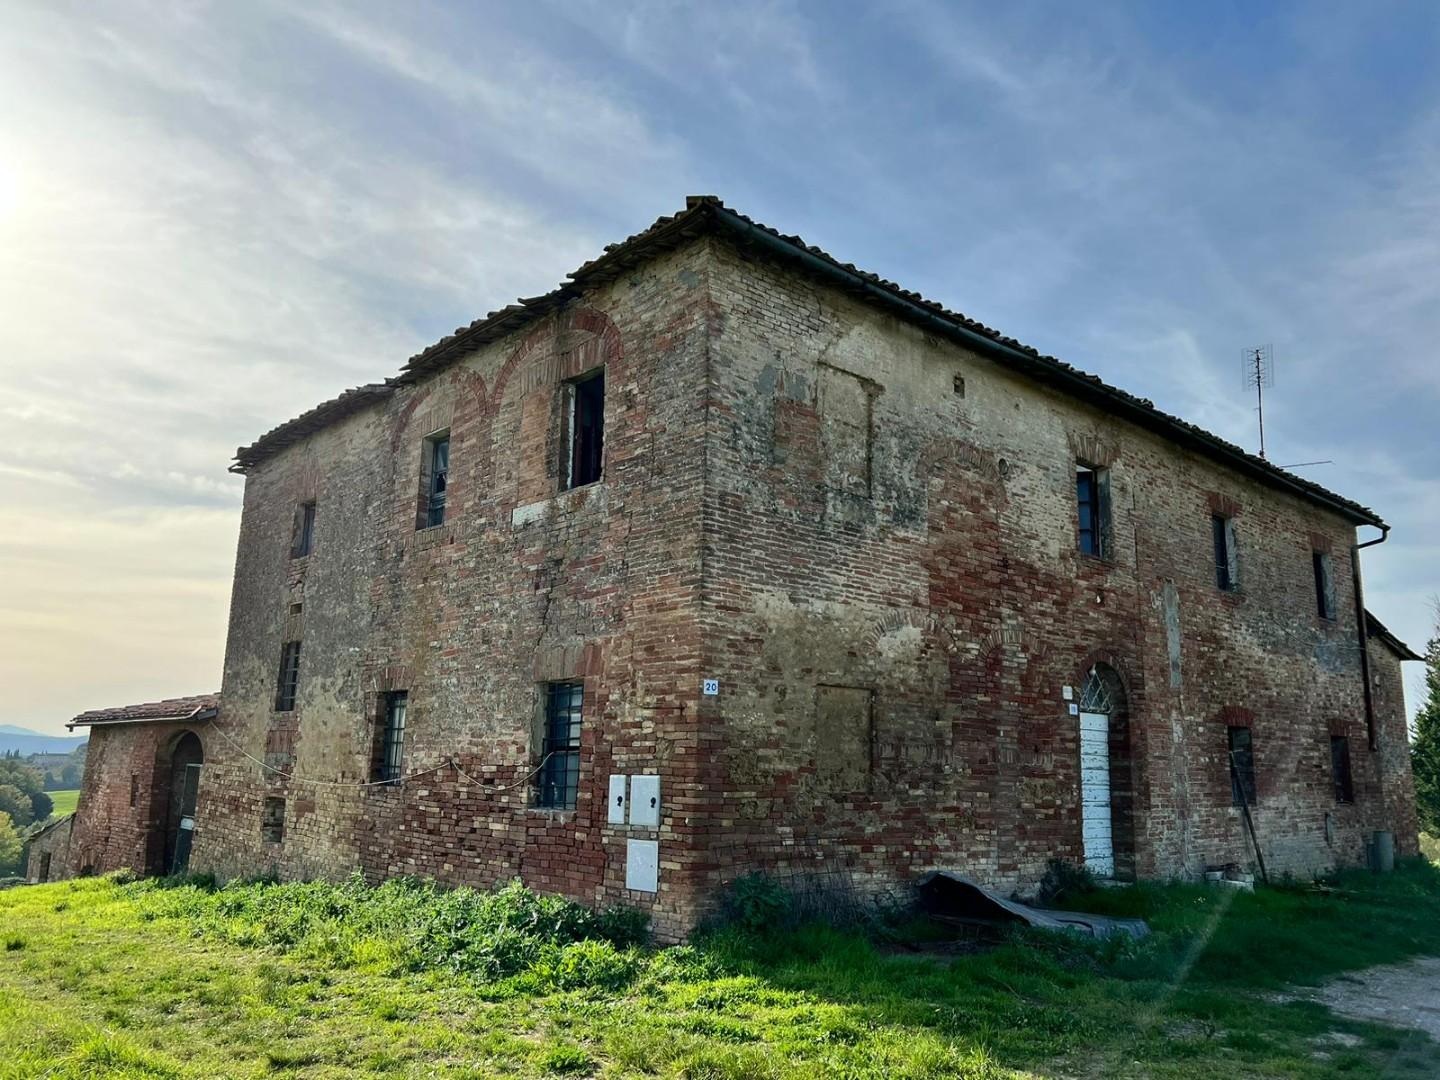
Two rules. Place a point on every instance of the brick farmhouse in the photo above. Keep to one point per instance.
(726, 556)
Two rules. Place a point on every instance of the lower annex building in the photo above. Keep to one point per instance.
(726, 556)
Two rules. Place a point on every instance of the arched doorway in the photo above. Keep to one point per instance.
(182, 785)
(1105, 788)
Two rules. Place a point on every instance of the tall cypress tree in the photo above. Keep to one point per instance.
(1425, 748)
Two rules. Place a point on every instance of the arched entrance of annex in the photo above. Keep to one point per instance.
(1106, 775)
(177, 774)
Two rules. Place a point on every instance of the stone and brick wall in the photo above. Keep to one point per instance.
(866, 535)
(46, 853)
(522, 584)
(891, 520)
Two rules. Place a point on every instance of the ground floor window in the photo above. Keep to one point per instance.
(560, 747)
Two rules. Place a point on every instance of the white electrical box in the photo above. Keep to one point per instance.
(642, 865)
(645, 801)
(616, 813)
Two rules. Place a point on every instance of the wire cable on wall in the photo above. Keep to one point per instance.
(449, 763)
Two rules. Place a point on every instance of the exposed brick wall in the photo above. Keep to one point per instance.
(110, 831)
(880, 570)
(521, 585)
(954, 589)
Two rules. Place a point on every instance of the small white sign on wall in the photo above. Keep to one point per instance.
(1067, 692)
(1074, 709)
(642, 865)
(710, 687)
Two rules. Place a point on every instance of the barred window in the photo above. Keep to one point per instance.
(560, 747)
(390, 764)
(289, 681)
(1242, 766)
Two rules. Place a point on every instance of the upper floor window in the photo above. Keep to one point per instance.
(1340, 769)
(304, 540)
(1222, 529)
(1324, 585)
(560, 746)
(389, 761)
(585, 444)
(1092, 496)
(289, 681)
(435, 479)
(1242, 766)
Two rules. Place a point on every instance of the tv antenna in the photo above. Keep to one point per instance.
(1258, 367)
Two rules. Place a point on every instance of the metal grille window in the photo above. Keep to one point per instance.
(392, 739)
(1242, 766)
(1223, 531)
(1092, 497)
(304, 530)
(560, 747)
(289, 681)
(586, 447)
(437, 477)
(1324, 585)
(1340, 769)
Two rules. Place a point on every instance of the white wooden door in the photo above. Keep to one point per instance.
(1095, 793)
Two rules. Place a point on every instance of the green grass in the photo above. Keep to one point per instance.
(101, 978)
(64, 800)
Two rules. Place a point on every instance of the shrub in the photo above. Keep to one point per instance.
(757, 903)
(1064, 879)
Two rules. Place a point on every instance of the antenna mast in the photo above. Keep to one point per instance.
(1258, 367)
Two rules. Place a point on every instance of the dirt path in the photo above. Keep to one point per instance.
(1402, 995)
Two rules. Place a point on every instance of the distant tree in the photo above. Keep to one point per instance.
(9, 846)
(41, 806)
(22, 776)
(1425, 746)
(70, 777)
(16, 805)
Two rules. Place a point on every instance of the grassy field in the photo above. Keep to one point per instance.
(100, 978)
(64, 800)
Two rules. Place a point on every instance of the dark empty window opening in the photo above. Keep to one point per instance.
(1324, 585)
(586, 449)
(1340, 769)
(389, 765)
(134, 789)
(289, 680)
(436, 479)
(304, 531)
(1242, 766)
(44, 867)
(959, 386)
(1223, 531)
(560, 747)
(272, 820)
(1092, 495)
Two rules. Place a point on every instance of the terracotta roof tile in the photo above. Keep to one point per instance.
(195, 707)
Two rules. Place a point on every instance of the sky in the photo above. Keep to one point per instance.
(213, 216)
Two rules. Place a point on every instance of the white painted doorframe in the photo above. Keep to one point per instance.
(1095, 820)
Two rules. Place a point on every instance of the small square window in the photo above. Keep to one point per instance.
(272, 820)
(1222, 530)
(289, 680)
(1092, 497)
(390, 755)
(1324, 585)
(304, 540)
(435, 480)
(559, 778)
(1340, 769)
(585, 444)
(1242, 766)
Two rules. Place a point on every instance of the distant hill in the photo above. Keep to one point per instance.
(32, 742)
